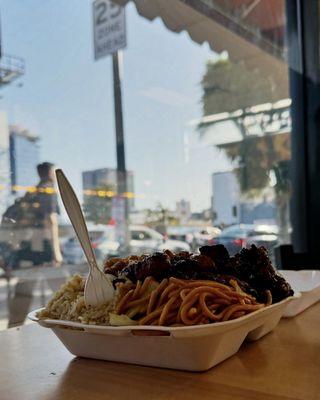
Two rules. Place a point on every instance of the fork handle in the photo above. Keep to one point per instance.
(73, 208)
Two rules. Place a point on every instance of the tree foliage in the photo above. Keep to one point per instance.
(257, 157)
(227, 87)
(159, 218)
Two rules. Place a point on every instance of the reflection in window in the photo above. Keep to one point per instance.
(206, 124)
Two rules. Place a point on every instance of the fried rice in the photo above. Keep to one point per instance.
(68, 304)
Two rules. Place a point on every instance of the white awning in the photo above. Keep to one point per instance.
(178, 16)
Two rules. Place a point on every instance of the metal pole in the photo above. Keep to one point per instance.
(121, 164)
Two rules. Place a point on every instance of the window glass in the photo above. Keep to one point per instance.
(198, 141)
(138, 235)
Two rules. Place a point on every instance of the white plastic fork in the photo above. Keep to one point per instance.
(98, 288)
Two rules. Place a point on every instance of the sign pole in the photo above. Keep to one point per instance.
(109, 35)
(121, 163)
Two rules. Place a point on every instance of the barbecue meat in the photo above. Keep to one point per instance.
(251, 268)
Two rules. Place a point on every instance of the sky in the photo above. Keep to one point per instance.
(67, 99)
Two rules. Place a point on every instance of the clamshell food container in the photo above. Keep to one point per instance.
(305, 282)
(192, 348)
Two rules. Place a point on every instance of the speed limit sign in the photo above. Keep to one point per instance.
(109, 28)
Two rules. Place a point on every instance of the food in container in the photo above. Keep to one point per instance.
(191, 348)
(177, 289)
(186, 311)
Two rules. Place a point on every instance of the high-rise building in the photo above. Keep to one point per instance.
(4, 163)
(106, 178)
(24, 158)
(183, 211)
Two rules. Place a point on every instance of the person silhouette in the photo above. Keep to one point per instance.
(48, 210)
(32, 223)
(35, 219)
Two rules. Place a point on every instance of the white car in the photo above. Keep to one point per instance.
(147, 240)
(142, 240)
(194, 236)
(103, 242)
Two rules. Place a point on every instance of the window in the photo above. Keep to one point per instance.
(206, 135)
(139, 235)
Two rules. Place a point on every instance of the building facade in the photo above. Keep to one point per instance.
(183, 211)
(229, 208)
(24, 158)
(106, 178)
(225, 199)
(5, 182)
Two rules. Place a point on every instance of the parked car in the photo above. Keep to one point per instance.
(142, 240)
(194, 236)
(103, 242)
(180, 233)
(146, 240)
(205, 236)
(235, 237)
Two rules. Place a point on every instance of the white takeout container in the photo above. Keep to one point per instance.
(192, 348)
(305, 282)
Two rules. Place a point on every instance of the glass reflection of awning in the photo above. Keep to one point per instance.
(258, 121)
(251, 31)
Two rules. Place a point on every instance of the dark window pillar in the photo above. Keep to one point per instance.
(303, 56)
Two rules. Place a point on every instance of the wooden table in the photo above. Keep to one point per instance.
(283, 365)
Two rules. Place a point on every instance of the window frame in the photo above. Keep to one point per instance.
(304, 80)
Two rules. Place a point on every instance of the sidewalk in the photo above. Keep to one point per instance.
(31, 288)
